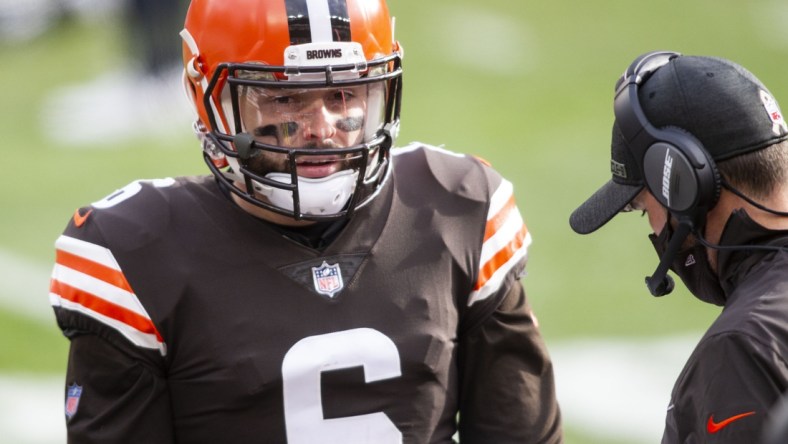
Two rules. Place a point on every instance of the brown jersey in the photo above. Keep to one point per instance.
(192, 321)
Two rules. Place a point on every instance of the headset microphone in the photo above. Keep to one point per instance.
(660, 284)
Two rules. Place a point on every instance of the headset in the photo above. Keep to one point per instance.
(676, 167)
(678, 171)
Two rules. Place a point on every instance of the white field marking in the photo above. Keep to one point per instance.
(24, 287)
(486, 42)
(32, 410)
(116, 105)
(619, 388)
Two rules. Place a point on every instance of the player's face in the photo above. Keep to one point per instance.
(305, 118)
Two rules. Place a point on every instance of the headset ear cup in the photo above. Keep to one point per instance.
(708, 177)
(680, 174)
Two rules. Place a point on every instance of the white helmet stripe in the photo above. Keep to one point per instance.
(189, 40)
(319, 20)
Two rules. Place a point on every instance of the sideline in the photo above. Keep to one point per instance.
(618, 388)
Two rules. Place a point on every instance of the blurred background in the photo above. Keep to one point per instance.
(90, 100)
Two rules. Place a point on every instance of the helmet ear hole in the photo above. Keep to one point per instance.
(193, 69)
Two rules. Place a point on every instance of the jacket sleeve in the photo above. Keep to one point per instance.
(120, 397)
(725, 391)
(506, 378)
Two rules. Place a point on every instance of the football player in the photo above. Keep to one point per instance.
(318, 286)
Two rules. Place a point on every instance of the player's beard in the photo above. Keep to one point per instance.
(264, 162)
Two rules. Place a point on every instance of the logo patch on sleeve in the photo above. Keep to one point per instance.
(73, 394)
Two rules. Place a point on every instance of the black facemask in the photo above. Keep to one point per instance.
(691, 264)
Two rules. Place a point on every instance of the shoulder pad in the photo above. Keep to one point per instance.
(459, 174)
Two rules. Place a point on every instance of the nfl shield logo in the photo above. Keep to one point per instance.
(73, 394)
(327, 279)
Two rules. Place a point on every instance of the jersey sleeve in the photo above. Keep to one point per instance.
(113, 396)
(115, 385)
(725, 392)
(507, 387)
(507, 392)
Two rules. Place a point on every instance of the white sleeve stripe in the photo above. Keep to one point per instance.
(500, 198)
(87, 250)
(137, 337)
(99, 288)
(494, 283)
(503, 237)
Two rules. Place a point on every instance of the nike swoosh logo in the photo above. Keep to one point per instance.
(79, 219)
(714, 427)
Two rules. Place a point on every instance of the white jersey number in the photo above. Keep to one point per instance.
(301, 370)
(130, 190)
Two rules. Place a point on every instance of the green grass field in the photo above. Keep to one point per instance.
(526, 85)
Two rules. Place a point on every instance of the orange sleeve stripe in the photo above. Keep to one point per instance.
(94, 269)
(500, 258)
(499, 219)
(104, 307)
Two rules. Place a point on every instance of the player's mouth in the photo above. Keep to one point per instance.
(318, 166)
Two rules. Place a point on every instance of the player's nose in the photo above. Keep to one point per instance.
(320, 123)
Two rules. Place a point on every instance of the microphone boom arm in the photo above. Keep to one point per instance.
(659, 283)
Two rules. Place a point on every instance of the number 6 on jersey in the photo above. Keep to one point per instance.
(301, 371)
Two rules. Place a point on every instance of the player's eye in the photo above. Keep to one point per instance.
(341, 95)
(286, 102)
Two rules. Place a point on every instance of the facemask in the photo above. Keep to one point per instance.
(692, 266)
